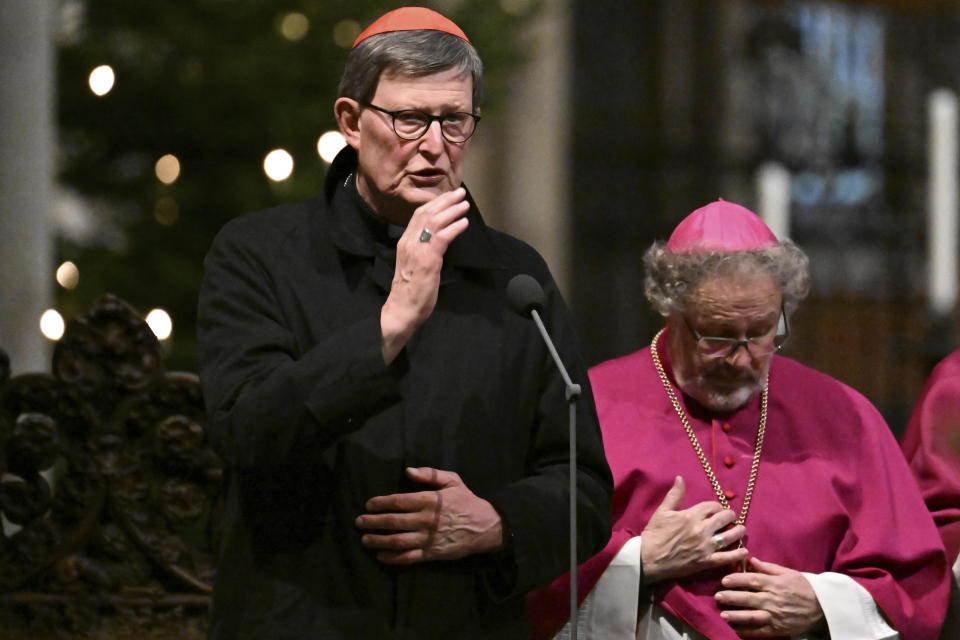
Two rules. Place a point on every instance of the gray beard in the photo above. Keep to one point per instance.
(722, 401)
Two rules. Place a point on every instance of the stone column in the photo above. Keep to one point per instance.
(26, 179)
(518, 167)
(538, 147)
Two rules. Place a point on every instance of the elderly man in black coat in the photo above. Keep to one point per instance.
(395, 436)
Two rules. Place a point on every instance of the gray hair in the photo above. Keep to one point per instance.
(408, 53)
(671, 278)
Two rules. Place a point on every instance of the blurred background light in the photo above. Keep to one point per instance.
(160, 323)
(166, 211)
(278, 165)
(167, 169)
(294, 26)
(68, 275)
(329, 145)
(345, 32)
(51, 325)
(101, 80)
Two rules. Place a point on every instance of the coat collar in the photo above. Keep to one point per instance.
(356, 229)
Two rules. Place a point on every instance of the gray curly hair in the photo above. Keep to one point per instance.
(408, 53)
(671, 278)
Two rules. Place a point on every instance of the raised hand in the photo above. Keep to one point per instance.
(416, 280)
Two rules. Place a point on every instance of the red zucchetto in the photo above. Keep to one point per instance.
(411, 19)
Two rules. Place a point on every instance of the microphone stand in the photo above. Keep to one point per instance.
(572, 393)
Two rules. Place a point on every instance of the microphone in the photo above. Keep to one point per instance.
(526, 297)
(524, 294)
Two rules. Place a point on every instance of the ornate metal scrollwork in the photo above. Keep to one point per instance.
(109, 491)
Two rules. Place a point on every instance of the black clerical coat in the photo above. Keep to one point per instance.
(311, 423)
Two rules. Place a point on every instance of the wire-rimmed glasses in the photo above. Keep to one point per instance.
(757, 346)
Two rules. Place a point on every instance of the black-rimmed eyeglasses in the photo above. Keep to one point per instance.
(411, 124)
(757, 346)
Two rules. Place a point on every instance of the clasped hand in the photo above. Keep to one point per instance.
(447, 523)
(770, 601)
(677, 543)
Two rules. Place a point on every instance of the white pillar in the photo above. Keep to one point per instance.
(942, 202)
(26, 177)
(773, 197)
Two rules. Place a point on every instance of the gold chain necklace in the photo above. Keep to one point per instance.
(696, 444)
